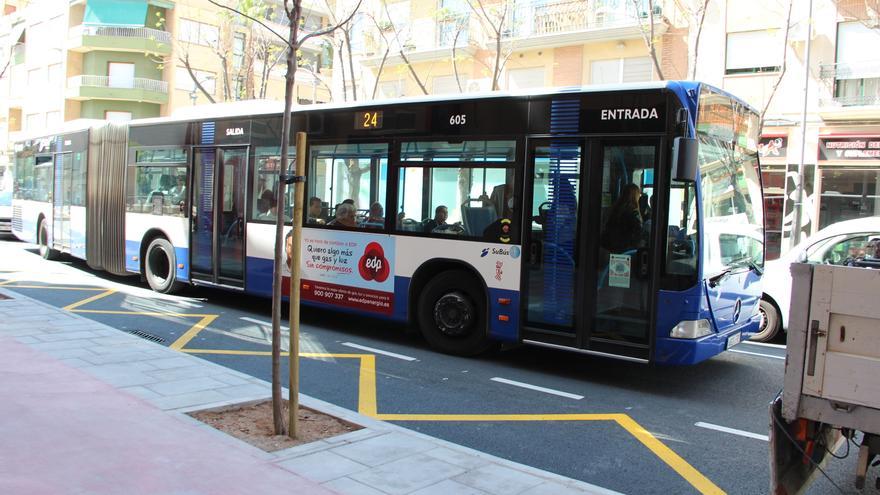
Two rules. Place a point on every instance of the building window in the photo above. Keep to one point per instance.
(391, 89)
(238, 50)
(620, 70)
(183, 80)
(36, 78)
(55, 76)
(525, 78)
(120, 75)
(753, 51)
(856, 72)
(773, 180)
(445, 85)
(35, 122)
(117, 116)
(53, 119)
(198, 33)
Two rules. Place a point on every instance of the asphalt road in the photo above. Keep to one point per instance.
(705, 424)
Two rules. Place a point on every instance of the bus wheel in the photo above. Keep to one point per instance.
(452, 314)
(160, 267)
(46, 252)
(770, 322)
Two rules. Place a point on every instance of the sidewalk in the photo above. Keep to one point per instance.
(85, 408)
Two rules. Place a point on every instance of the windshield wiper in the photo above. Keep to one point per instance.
(748, 262)
(716, 279)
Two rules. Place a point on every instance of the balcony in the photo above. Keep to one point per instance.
(855, 89)
(138, 89)
(119, 39)
(549, 23)
(17, 54)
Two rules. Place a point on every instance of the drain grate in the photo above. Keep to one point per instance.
(147, 336)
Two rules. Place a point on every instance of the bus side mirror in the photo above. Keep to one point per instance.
(684, 159)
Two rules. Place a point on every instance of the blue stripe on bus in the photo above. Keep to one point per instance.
(207, 133)
(133, 263)
(504, 330)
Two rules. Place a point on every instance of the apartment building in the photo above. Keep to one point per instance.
(413, 47)
(127, 59)
(841, 148)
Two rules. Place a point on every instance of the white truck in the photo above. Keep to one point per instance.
(831, 389)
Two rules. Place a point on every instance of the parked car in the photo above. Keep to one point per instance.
(841, 243)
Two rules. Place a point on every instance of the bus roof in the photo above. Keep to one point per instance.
(270, 107)
(70, 126)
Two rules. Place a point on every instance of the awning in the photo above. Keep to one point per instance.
(115, 13)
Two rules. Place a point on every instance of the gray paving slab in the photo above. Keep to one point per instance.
(457, 457)
(499, 480)
(71, 335)
(550, 488)
(449, 487)
(185, 386)
(349, 486)
(384, 448)
(205, 397)
(407, 475)
(323, 466)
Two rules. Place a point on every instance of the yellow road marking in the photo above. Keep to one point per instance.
(680, 466)
(71, 307)
(192, 332)
(367, 402)
(497, 417)
(141, 313)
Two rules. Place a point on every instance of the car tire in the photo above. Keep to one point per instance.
(160, 267)
(46, 252)
(770, 322)
(452, 314)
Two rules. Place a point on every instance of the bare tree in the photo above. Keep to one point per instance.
(344, 46)
(384, 56)
(647, 29)
(401, 48)
(696, 17)
(293, 11)
(783, 67)
(495, 20)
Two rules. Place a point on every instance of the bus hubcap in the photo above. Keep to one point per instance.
(453, 314)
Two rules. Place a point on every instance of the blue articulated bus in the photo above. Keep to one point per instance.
(621, 221)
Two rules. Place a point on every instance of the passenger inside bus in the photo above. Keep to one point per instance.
(623, 229)
(316, 211)
(267, 206)
(345, 216)
(376, 217)
(438, 223)
(178, 192)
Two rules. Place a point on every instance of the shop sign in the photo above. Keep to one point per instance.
(850, 148)
(773, 146)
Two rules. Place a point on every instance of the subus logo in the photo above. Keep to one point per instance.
(629, 113)
(235, 131)
(373, 265)
(484, 253)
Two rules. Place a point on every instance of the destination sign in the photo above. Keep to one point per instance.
(368, 119)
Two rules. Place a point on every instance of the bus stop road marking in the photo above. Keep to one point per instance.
(536, 388)
(379, 351)
(193, 331)
(258, 322)
(732, 431)
(367, 405)
(71, 307)
(757, 354)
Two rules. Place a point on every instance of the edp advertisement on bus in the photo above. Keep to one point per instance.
(351, 270)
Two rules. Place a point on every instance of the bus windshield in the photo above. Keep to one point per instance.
(730, 185)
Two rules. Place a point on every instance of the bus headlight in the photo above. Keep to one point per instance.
(691, 329)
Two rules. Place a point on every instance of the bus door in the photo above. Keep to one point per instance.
(63, 187)
(218, 215)
(587, 273)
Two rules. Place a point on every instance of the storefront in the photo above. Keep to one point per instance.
(849, 177)
(772, 151)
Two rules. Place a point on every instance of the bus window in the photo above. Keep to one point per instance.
(43, 179)
(462, 201)
(157, 190)
(354, 175)
(24, 175)
(681, 230)
(265, 184)
(463, 151)
(78, 186)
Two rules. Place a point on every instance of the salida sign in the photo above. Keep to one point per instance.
(850, 148)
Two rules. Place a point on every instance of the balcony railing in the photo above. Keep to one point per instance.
(542, 17)
(121, 32)
(852, 84)
(141, 83)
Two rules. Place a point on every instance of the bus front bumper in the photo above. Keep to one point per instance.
(674, 352)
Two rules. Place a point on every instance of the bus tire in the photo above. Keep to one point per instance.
(160, 267)
(452, 314)
(46, 252)
(770, 322)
